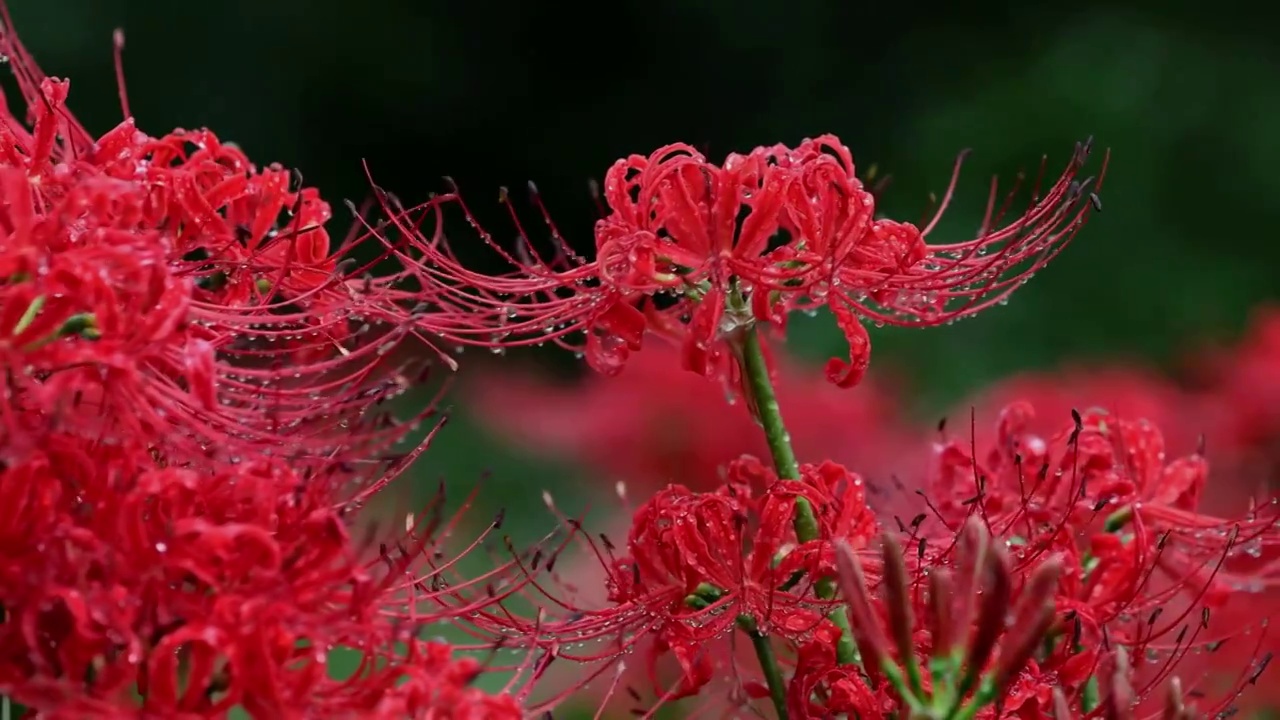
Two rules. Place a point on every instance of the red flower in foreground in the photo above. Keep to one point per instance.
(1040, 571)
(190, 422)
(696, 251)
(697, 565)
(204, 592)
(1145, 568)
(148, 288)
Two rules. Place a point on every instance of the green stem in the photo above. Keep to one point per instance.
(768, 664)
(806, 525)
(846, 648)
(756, 370)
(766, 402)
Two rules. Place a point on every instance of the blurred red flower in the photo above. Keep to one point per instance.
(654, 424)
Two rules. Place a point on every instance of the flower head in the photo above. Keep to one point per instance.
(696, 251)
(1144, 567)
(697, 566)
(1071, 569)
(199, 591)
(1239, 393)
(191, 420)
(168, 288)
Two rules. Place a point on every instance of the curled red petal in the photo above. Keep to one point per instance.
(847, 374)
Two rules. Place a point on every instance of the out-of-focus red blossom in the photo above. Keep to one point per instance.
(1241, 388)
(697, 252)
(697, 564)
(190, 423)
(438, 686)
(655, 424)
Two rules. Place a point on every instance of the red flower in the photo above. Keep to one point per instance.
(696, 251)
(150, 289)
(821, 687)
(190, 422)
(428, 681)
(1145, 568)
(1240, 394)
(654, 424)
(699, 564)
(1126, 391)
(1030, 564)
(1247, 378)
(200, 592)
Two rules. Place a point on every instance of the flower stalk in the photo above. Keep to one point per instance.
(765, 400)
(768, 664)
(769, 413)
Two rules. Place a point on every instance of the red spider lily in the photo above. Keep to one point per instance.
(150, 288)
(191, 419)
(698, 564)
(1189, 418)
(1126, 391)
(1034, 562)
(822, 687)
(201, 592)
(655, 424)
(696, 251)
(1146, 569)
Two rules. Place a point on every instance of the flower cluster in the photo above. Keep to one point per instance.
(1055, 566)
(194, 411)
(1051, 578)
(166, 288)
(697, 252)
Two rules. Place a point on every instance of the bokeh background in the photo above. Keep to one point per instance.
(499, 93)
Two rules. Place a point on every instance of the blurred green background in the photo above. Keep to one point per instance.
(499, 93)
